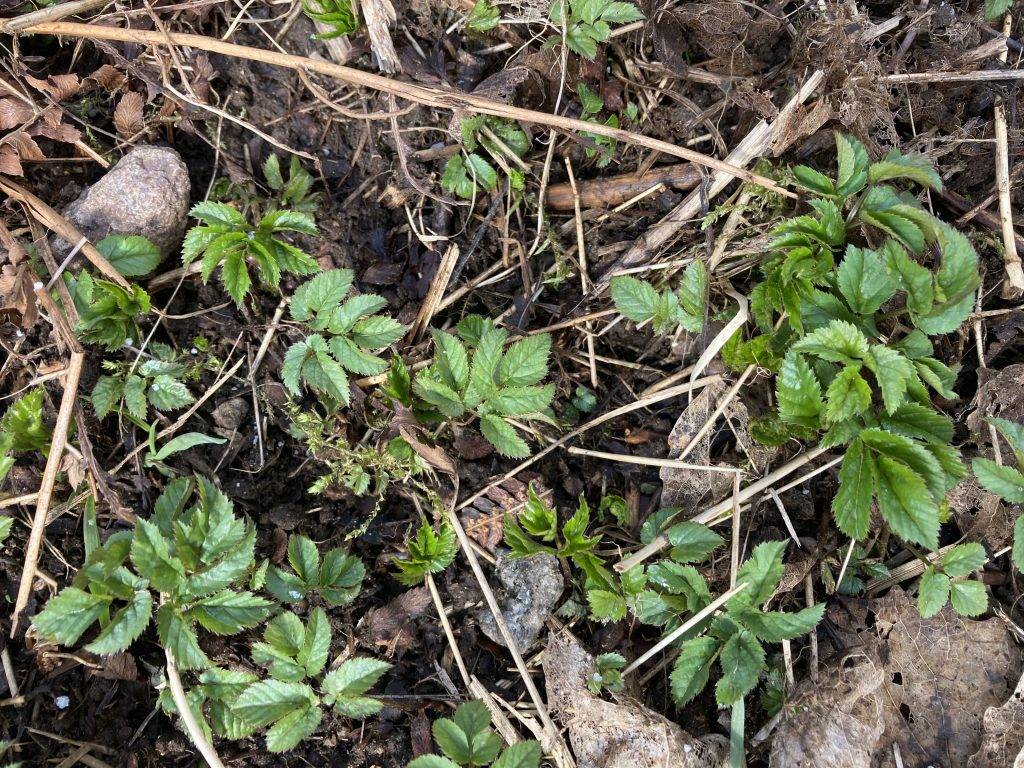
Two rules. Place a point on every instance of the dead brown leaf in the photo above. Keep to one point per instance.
(393, 625)
(128, 117)
(58, 87)
(14, 113)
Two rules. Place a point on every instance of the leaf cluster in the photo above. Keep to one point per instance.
(22, 429)
(667, 311)
(467, 740)
(338, 15)
(429, 551)
(157, 383)
(468, 170)
(588, 22)
(846, 371)
(336, 578)
(734, 638)
(473, 375)
(947, 582)
(294, 191)
(107, 312)
(345, 333)
(225, 239)
(192, 556)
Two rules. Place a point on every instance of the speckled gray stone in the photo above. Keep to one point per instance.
(528, 593)
(145, 193)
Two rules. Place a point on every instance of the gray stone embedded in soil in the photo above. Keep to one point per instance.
(528, 593)
(145, 193)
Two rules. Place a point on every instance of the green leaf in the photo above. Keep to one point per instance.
(915, 456)
(606, 606)
(893, 372)
(919, 422)
(229, 612)
(776, 626)
(848, 395)
(483, 17)
(963, 560)
(316, 644)
(451, 360)
(905, 503)
(525, 754)
(762, 570)
(693, 289)
(6, 524)
(135, 397)
(996, 8)
(1013, 434)
(526, 361)
(837, 342)
(66, 616)
(635, 299)
(503, 437)
(22, 427)
(692, 668)
(864, 281)
(265, 702)
(344, 687)
(218, 215)
(798, 392)
(910, 276)
(320, 294)
(853, 165)
(1005, 482)
(287, 732)
(183, 443)
(177, 636)
(742, 661)
(915, 167)
(167, 393)
(621, 13)
(235, 275)
(131, 255)
(106, 395)
(813, 181)
(439, 394)
(851, 505)
(932, 592)
(692, 542)
(521, 401)
(125, 625)
(482, 172)
(151, 556)
(432, 761)
(968, 598)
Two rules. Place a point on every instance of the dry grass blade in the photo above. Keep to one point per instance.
(53, 463)
(435, 97)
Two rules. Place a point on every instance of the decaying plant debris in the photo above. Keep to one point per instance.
(586, 383)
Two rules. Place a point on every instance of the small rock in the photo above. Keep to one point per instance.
(145, 193)
(532, 586)
(62, 702)
(229, 414)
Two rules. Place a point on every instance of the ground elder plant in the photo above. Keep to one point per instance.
(342, 336)
(335, 579)
(467, 740)
(226, 239)
(472, 375)
(467, 171)
(851, 296)
(666, 310)
(182, 566)
(22, 429)
(156, 383)
(589, 22)
(108, 313)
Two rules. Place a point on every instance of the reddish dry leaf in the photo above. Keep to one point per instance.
(393, 625)
(107, 77)
(14, 114)
(58, 87)
(10, 163)
(128, 116)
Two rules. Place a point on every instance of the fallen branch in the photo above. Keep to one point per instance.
(976, 76)
(614, 190)
(435, 97)
(53, 462)
(195, 733)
